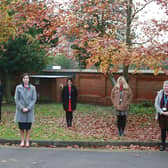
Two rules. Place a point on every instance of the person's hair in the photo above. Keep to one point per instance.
(22, 76)
(165, 82)
(69, 79)
(125, 84)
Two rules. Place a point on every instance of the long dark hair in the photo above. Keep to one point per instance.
(22, 76)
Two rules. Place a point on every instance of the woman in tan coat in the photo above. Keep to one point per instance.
(121, 97)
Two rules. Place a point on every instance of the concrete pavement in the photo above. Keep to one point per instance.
(16, 157)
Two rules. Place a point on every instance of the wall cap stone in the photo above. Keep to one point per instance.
(98, 71)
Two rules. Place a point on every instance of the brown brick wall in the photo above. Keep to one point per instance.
(96, 88)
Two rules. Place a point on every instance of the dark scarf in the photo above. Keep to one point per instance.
(162, 103)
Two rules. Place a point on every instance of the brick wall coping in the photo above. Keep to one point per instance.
(98, 71)
(48, 76)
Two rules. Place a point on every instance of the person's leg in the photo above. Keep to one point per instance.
(163, 139)
(123, 124)
(22, 137)
(119, 124)
(71, 118)
(67, 117)
(27, 138)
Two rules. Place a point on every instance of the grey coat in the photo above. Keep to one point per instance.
(157, 104)
(25, 98)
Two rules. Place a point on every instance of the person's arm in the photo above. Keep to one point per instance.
(33, 100)
(63, 94)
(165, 113)
(17, 99)
(157, 105)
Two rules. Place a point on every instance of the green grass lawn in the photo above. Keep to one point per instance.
(90, 123)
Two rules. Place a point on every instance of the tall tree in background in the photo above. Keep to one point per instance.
(106, 30)
(27, 31)
(7, 24)
(36, 18)
(21, 55)
(102, 31)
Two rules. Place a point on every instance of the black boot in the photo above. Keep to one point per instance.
(119, 131)
(122, 132)
(68, 123)
(162, 147)
(163, 140)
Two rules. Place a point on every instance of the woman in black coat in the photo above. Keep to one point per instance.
(69, 99)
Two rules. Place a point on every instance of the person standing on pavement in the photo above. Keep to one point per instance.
(25, 99)
(121, 97)
(69, 99)
(161, 106)
(1, 96)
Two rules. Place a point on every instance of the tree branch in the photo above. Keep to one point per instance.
(141, 43)
(144, 41)
(141, 9)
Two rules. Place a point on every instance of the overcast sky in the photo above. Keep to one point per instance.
(153, 11)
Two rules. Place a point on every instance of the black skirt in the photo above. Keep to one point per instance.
(25, 126)
(163, 121)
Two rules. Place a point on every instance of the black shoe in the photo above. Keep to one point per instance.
(68, 124)
(119, 132)
(162, 147)
(122, 133)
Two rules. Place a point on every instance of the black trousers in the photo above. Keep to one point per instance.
(121, 122)
(163, 136)
(69, 117)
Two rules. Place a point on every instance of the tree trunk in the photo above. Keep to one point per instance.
(128, 35)
(8, 89)
(125, 72)
(112, 79)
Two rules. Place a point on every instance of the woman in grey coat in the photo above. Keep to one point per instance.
(161, 105)
(25, 99)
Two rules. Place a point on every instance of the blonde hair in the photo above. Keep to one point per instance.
(125, 84)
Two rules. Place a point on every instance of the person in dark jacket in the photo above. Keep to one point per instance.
(69, 99)
(1, 96)
(161, 106)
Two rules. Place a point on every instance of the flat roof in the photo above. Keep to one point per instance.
(48, 76)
